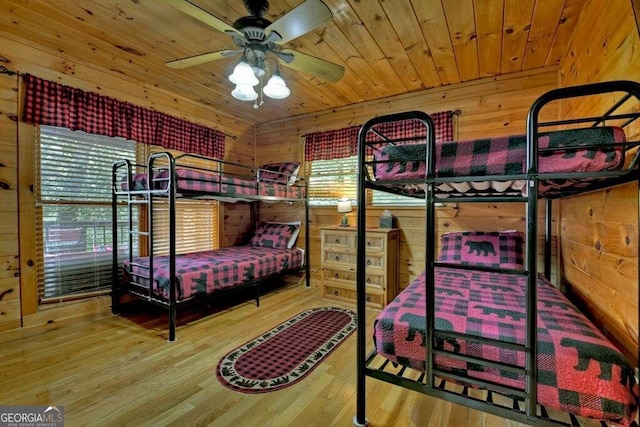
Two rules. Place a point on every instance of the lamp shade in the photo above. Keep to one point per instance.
(344, 206)
(244, 93)
(243, 75)
(276, 88)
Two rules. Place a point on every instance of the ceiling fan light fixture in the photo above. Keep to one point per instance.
(276, 88)
(243, 75)
(244, 93)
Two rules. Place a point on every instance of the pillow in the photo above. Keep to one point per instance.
(492, 249)
(284, 173)
(296, 232)
(275, 235)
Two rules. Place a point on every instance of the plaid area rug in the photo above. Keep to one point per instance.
(287, 353)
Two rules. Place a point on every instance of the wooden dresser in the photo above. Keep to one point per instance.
(339, 254)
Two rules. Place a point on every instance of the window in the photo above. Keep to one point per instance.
(74, 228)
(380, 198)
(196, 220)
(74, 217)
(330, 180)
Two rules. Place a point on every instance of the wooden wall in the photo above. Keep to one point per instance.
(9, 272)
(600, 231)
(490, 107)
(18, 298)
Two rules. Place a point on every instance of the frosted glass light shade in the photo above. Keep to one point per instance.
(344, 206)
(243, 75)
(244, 93)
(276, 88)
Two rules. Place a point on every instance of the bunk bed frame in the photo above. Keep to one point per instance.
(159, 183)
(427, 382)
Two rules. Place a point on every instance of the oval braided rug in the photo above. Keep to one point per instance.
(287, 353)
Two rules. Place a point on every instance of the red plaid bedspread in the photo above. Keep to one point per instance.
(188, 180)
(579, 371)
(503, 156)
(209, 271)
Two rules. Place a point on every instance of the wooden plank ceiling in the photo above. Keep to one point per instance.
(388, 47)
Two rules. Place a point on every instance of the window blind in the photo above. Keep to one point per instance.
(330, 180)
(74, 224)
(380, 198)
(196, 220)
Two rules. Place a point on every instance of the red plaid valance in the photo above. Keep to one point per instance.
(332, 144)
(53, 104)
(443, 123)
(340, 143)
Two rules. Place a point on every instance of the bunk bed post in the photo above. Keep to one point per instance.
(548, 235)
(430, 235)
(115, 296)
(531, 333)
(307, 266)
(359, 420)
(173, 289)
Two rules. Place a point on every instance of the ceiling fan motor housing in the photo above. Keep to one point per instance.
(252, 27)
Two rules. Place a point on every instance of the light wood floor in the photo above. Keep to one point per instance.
(120, 371)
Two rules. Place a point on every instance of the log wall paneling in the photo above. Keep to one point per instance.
(599, 238)
(9, 239)
(600, 231)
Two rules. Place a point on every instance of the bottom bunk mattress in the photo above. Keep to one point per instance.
(579, 371)
(207, 272)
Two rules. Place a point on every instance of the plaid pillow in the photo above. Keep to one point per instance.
(271, 235)
(493, 249)
(284, 173)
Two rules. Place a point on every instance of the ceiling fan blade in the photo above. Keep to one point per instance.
(202, 15)
(300, 20)
(201, 59)
(311, 65)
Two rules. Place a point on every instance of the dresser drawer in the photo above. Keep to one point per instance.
(338, 257)
(372, 298)
(374, 261)
(375, 242)
(337, 239)
(350, 276)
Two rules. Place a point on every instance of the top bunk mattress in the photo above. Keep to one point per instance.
(500, 156)
(204, 182)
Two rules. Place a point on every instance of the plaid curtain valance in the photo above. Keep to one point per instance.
(443, 124)
(332, 144)
(340, 143)
(50, 103)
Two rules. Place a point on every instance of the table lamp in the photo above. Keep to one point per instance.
(344, 207)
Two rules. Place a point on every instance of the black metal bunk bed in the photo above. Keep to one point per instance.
(439, 341)
(166, 178)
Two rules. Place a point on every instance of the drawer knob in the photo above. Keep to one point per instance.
(368, 279)
(337, 257)
(337, 240)
(337, 275)
(368, 262)
(335, 293)
(368, 298)
(368, 242)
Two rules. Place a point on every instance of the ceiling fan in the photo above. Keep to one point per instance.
(256, 36)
